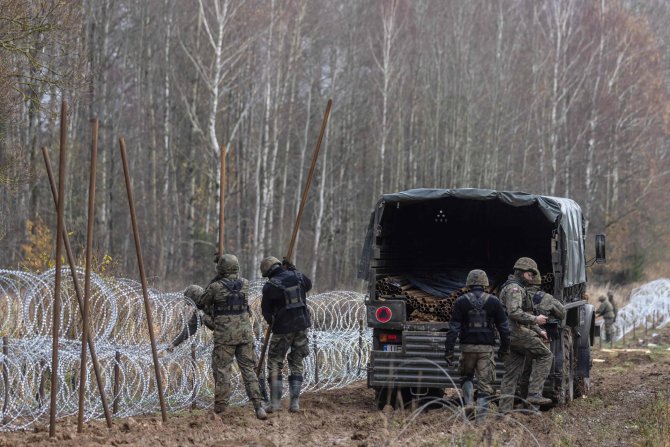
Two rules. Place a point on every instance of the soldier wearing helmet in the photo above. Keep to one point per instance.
(194, 293)
(225, 300)
(526, 337)
(476, 317)
(544, 304)
(606, 311)
(284, 307)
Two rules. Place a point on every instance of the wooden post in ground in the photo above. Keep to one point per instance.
(62, 168)
(143, 278)
(87, 275)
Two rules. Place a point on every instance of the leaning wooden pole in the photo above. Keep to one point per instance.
(222, 193)
(298, 219)
(87, 276)
(308, 183)
(140, 263)
(78, 292)
(62, 166)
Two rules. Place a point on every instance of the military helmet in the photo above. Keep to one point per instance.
(477, 278)
(267, 264)
(536, 281)
(602, 298)
(526, 265)
(227, 264)
(194, 293)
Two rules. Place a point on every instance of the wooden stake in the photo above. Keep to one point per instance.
(143, 278)
(87, 275)
(62, 167)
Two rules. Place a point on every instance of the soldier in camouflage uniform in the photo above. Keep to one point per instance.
(545, 304)
(225, 300)
(474, 321)
(526, 337)
(194, 293)
(284, 307)
(606, 311)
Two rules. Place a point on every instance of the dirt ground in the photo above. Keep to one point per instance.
(629, 404)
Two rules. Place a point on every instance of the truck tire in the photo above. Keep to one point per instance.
(566, 393)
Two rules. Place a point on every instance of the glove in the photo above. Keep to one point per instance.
(287, 264)
(502, 355)
(216, 258)
(449, 357)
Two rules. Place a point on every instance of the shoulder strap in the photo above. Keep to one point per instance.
(475, 300)
(537, 297)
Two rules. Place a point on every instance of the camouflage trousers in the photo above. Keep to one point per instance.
(296, 344)
(609, 329)
(524, 380)
(538, 353)
(222, 365)
(481, 365)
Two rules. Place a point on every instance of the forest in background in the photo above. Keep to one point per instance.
(555, 97)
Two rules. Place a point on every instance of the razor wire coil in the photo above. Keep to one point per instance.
(120, 333)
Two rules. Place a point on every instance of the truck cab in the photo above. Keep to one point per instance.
(419, 247)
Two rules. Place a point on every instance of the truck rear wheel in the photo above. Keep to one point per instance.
(566, 394)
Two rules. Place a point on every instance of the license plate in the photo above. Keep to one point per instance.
(392, 348)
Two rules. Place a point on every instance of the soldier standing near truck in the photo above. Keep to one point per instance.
(225, 299)
(526, 338)
(545, 304)
(284, 307)
(606, 311)
(474, 321)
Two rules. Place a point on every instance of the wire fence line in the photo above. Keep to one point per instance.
(648, 307)
(339, 346)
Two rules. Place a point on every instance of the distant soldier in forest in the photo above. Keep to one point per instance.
(474, 321)
(606, 311)
(225, 300)
(545, 304)
(194, 293)
(526, 337)
(284, 307)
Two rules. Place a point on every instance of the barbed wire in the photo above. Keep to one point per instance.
(339, 346)
(648, 304)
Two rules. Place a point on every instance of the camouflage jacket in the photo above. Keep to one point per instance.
(192, 327)
(605, 310)
(546, 304)
(228, 329)
(519, 307)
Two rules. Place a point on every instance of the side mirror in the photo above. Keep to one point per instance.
(600, 249)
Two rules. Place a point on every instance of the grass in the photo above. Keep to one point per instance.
(654, 423)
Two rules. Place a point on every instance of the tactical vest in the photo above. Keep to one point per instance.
(235, 301)
(478, 321)
(294, 296)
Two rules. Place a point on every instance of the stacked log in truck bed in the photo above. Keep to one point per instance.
(424, 307)
(421, 306)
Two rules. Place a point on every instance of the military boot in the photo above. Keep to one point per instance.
(276, 388)
(294, 384)
(482, 407)
(538, 399)
(260, 413)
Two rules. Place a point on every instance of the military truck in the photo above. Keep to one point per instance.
(419, 247)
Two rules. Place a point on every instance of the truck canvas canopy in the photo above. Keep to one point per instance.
(428, 230)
